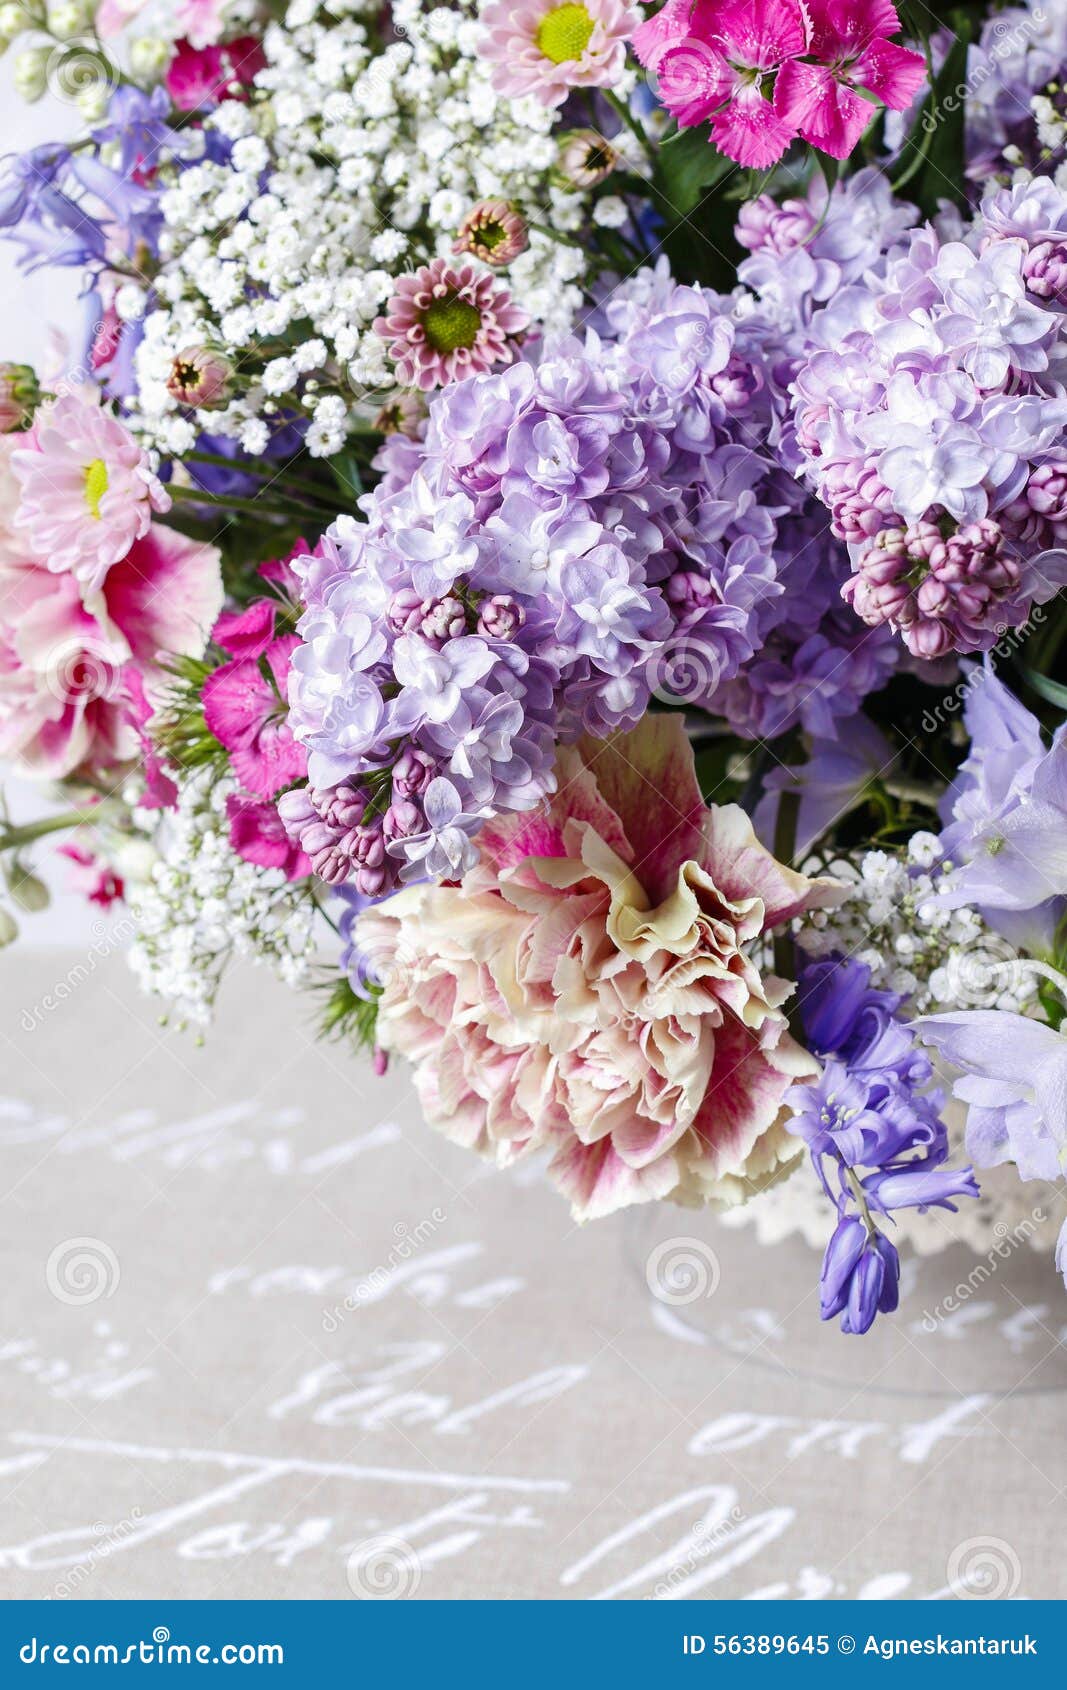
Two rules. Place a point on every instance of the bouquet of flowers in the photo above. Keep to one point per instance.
(551, 536)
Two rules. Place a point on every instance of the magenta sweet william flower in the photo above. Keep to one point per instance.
(720, 69)
(203, 76)
(93, 878)
(245, 702)
(257, 833)
(849, 50)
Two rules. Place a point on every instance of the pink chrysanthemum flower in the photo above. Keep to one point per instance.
(444, 324)
(546, 50)
(86, 491)
(492, 231)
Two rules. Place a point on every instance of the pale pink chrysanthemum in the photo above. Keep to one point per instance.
(445, 323)
(546, 50)
(494, 232)
(86, 492)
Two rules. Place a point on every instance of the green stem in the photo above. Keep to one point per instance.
(623, 110)
(13, 838)
(861, 1199)
(230, 501)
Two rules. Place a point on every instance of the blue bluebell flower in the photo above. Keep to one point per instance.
(873, 1126)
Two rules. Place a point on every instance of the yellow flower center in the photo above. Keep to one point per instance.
(451, 323)
(95, 486)
(564, 33)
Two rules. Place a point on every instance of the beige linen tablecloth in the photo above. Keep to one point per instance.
(264, 1335)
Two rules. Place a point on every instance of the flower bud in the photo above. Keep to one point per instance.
(492, 231)
(199, 378)
(30, 893)
(92, 101)
(9, 927)
(31, 73)
(67, 18)
(149, 57)
(500, 617)
(19, 396)
(586, 158)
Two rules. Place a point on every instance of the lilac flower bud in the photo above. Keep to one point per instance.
(687, 592)
(412, 773)
(1046, 491)
(405, 611)
(317, 837)
(365, 845)
(402, 819)
(737, 384)
(372, 881)
(436, 620)
(330, 864)
(341, 807)
(500, 617)
(860, 502)
(1045, 270)
(296, 810)
(443, 619)
(765, 226)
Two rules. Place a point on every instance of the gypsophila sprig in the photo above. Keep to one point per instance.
(204, 905)
(355, 161)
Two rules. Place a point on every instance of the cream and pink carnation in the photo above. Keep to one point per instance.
(592, 987)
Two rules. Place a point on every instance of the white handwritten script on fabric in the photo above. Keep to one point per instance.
(263, 1335)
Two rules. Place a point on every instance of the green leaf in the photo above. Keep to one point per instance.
(346, 473)
(1053, 692)
(687, 167)
(932, 156)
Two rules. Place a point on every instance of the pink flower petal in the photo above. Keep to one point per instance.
(165, 594)
(258, 835)
(757, 35)
(246, 633)
(751, 131)
(894, 74)
(743, 868)
(665, 27)
(692, 80)
(824, 111)
(238, 701)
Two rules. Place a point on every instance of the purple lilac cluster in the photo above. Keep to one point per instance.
(928, 415)
(1014, 70)
(565, 542)
(874, 1130)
